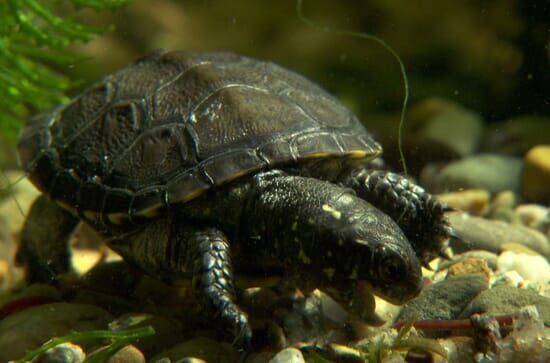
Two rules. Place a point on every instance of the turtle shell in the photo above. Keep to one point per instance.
(173, 124)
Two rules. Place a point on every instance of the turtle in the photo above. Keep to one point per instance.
(205, 165)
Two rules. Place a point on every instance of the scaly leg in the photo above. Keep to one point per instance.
(166, 247)
(419, 214)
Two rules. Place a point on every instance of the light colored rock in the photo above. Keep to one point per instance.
(533, 268)
(473, 201)
(459, 349)
(505, 199)
(288, 355)
(202, 348)
(128, 354)
(535, 216)
(508, 278)
(518, 248)
(490, 172)
(489, 257)
(536, 174)
(62, 353)
(470, 266)
(479, 233)
(444, 128)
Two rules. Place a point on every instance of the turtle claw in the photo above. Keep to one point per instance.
(445, 255)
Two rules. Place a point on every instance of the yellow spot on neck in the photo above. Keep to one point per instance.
(336, 214)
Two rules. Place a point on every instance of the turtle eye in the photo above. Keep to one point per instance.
(392, 268)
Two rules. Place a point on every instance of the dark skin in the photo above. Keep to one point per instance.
(269, 220)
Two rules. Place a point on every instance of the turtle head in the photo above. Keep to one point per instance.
(393, 271)
(383, 257)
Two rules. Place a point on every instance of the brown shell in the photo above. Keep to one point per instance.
(172, 125)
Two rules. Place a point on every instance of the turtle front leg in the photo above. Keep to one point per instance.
(168, 248)
(213, 280)
(419, 214)
(44, 248)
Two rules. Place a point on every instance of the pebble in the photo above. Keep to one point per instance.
(533, 268)
(62, 353)
(288, 355)
(507, 278)
(504, 200)
(503, 299)
(202, 348)
(490, 259)
(536, 174)
(128, 354)
(490, 172)
(473, 201)
(470, 266)
(479, 233)
(443, 128)
(445, 299)
(29, 328)
(459, 349)
(535, 216)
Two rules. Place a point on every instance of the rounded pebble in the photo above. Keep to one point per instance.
(288, 355)
(536, 174)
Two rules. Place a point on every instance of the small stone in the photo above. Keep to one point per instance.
(473, 201)
(479, 233)
(535, 216)
(502, 300)
(445, 129)
(62, 353)
(508, 278)
(200, 348)
(506, 199)
(490, 259)
(459, 349)
(288, 355)
(490, 172)
(533, 268)
(445, 299)
(128, 354)
(536, 174)
(518, 248)
(469, 267)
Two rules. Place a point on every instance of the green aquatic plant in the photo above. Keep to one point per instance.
(33, 42)
(119, 339)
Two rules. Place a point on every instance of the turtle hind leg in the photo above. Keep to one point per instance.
(44, 248)
(213, 280)
(419, 214)
(169, 248)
